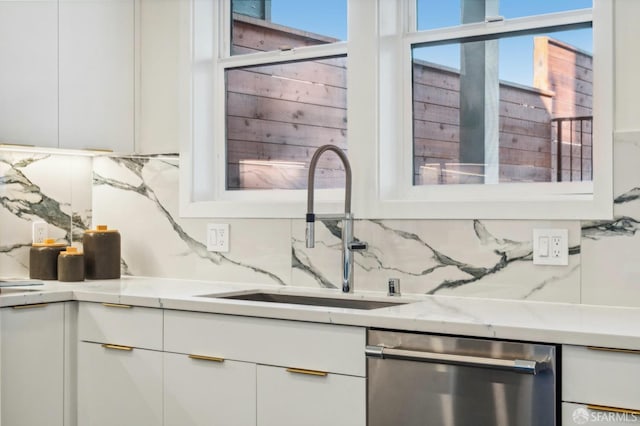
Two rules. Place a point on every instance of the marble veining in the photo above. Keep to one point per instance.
(613, 246)
(25, 199)
(456, 257)
(131, 175)
(40, 187)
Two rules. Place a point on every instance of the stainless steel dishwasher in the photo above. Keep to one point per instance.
(431, 380)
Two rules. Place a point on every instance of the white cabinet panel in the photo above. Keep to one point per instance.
(160, 55)
(32, 345)
(324, 347)
(118, 387)
(292, 399)
(203, 392)
(601, 377)
(97, 74)
(29, 72)
(121, 325)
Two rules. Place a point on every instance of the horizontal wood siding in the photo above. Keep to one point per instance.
(277, 115)
(524, 123)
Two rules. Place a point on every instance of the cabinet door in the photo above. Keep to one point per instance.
(162, 48)
(32, 357)
(199, 392)
(97, 74)
(601, 376)
(118, 387)
(292, 399)
(29, 72)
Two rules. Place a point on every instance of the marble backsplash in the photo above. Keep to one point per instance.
(41, 187)
(481, 258)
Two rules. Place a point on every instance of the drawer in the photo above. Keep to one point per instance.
(310, 400)
(312, 346)
(120, 325)
(601, 376)
(580, 414)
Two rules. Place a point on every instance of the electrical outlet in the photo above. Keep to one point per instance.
(218, 237)
(556, 247)
(551, 247)
(39, 232)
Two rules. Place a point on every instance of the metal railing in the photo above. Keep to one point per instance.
(579, 128)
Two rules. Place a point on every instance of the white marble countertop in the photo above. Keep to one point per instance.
(615, 327)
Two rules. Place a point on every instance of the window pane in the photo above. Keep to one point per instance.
(437, 13)
(277, 115)
(266, 25)
(492, 111)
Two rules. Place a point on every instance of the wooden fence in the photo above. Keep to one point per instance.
(277, 115)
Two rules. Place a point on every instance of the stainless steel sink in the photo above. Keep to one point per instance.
(297, 299)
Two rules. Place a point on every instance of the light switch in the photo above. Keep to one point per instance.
(218, 237)
(543, 246)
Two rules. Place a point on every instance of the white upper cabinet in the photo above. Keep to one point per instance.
(97, 62)
(161, 44)
(93, 74)
(29, 72)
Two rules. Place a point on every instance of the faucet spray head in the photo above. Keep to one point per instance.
(310, 234)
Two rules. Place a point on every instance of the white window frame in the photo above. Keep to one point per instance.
(379, 111)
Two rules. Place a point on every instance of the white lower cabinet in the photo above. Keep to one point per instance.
(145, 367)
(604, 379)
(292, 397)
(206, 391)
(118, 386)
(32, 365)
(119, 365)
(279, 373)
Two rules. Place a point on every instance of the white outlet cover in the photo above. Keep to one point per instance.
(218, 237)
(545, 251)
(39, 232)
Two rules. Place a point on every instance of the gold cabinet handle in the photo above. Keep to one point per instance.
(35, 305)
(612, 409)
(206, 358)
(116, 305)
(117, 347)
(626, 351)
(307, 372)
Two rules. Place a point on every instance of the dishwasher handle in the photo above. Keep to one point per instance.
(515, 365)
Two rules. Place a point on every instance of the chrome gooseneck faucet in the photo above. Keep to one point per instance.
(349, 244)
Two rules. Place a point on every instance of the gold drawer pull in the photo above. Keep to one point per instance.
(612, 409)
(626, 351)
(117, 347)
(206, 358)
(308, 372)
(35, 305)
(116, 305)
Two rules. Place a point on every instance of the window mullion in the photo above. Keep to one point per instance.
(296, 54)
(512, 27)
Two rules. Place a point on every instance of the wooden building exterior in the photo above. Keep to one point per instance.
(277, 115)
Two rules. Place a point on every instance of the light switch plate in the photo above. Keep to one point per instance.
(39, 232)
(218, 237)
(551, 247)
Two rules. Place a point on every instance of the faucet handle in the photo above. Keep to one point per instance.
(310, 231)
(357, 245)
